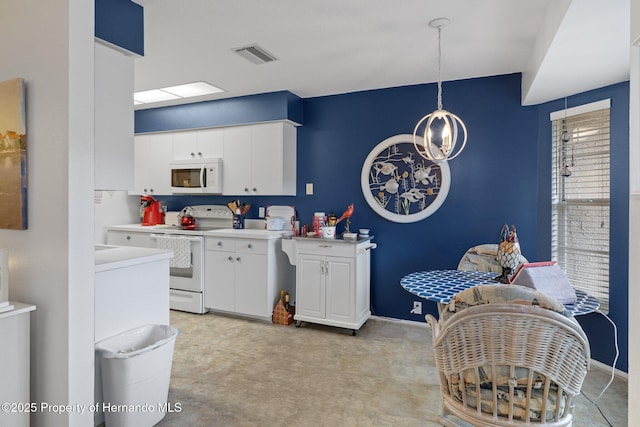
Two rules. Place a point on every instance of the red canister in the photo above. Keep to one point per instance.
(318, 222)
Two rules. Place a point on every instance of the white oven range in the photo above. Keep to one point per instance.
(186, 282)
(187, 279)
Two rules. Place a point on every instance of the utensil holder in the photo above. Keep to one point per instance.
(329, 232)
(238, 222)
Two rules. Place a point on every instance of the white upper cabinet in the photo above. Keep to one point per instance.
(236, 162)
(260, 160)
(257, 160)
(153, 154)
(198, 144)
(114, 119)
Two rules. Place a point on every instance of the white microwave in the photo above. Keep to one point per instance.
(197, 176)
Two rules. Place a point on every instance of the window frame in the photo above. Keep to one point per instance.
(599, 286)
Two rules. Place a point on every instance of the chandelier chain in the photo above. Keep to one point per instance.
(439, 68)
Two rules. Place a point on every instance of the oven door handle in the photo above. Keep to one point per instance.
(191, 239)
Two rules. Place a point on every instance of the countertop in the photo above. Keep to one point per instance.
(160, 229)
(18, 308)
(112, 257)
(337, 239)
(290, 246)
(248, 233)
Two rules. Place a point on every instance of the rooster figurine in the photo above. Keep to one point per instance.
(508, 252)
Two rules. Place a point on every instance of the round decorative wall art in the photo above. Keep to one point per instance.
(400, 185)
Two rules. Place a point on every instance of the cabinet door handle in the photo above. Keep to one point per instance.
(249, 246)
(199, 154)
(128, 237)
(219, 243)
(246, 190)
(238, 259)
(231, 258)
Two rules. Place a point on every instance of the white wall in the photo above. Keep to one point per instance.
(112, 208)
(50, 44)
(634, 213)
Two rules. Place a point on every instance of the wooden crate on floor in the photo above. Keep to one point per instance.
(281, 316)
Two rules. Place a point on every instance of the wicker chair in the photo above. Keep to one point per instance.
(509, 364)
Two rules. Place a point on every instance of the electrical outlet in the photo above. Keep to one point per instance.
(261, 212)
(417, 307)
(309, 189)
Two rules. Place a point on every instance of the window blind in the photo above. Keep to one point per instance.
(580, 201)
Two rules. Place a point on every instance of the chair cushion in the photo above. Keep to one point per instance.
(504, 382)
(499, 294)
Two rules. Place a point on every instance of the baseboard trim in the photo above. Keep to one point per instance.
(423, 323)
(604, 367)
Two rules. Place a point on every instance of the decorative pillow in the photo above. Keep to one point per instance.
(483, 258)
(500, 294)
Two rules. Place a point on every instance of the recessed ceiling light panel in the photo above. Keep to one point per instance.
(153, 95)
(170, 93)
(192, 89)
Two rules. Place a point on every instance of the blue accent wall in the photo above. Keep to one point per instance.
(502, 176)
(120, 22)
(224, 112)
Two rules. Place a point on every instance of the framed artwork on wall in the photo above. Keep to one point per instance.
(399, 184)
(13, 155)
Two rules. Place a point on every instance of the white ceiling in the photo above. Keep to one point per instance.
(328, 47)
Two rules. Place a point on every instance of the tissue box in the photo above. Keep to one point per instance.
(546, 277)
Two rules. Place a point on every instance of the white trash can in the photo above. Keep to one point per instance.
(136, 370)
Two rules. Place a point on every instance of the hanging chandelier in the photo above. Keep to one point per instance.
(436, 136)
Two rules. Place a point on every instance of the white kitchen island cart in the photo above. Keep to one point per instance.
(332, 280)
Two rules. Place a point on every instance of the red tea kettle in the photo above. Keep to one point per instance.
(187, 220)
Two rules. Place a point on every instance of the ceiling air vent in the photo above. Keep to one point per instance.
(255, 54)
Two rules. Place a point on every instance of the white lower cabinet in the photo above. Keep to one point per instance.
(332, 283)
(15, 328)
(130, 238)
(245, 276)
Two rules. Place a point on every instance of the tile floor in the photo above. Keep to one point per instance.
(229, 371)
